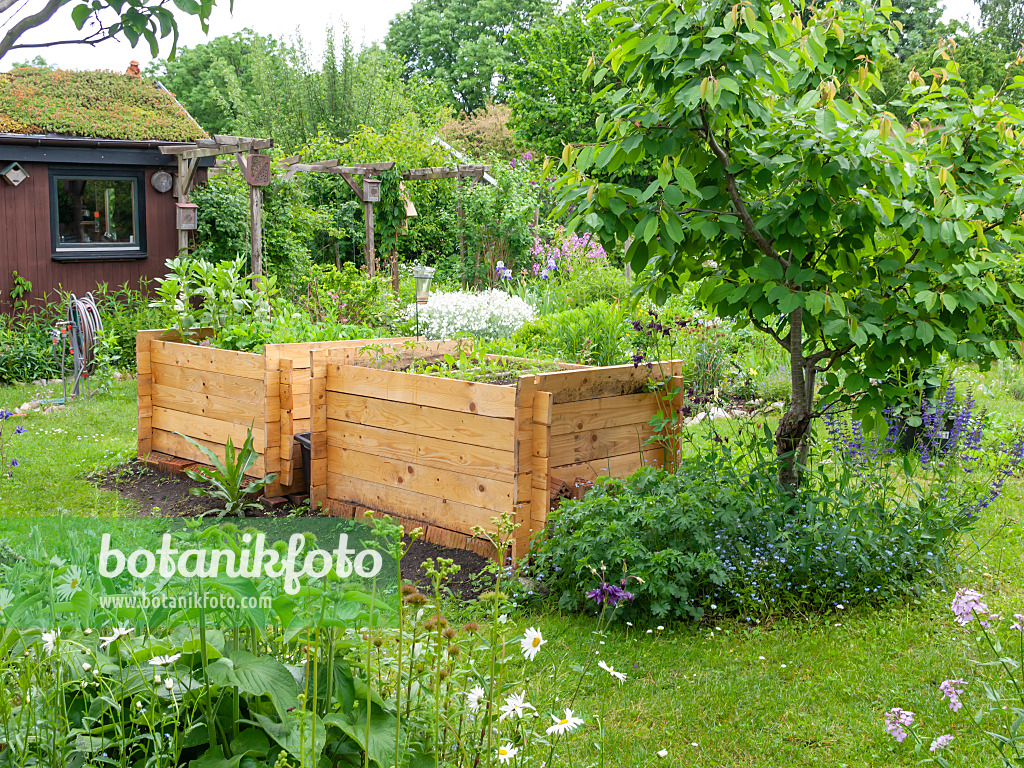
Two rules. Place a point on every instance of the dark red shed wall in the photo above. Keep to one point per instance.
(25, 242)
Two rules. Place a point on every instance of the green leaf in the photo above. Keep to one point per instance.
(949, 302)
(925, 332)
(80, 14)
(685, 180)
(814, 303)
(381, 745)
(302, 735)
(257, 676)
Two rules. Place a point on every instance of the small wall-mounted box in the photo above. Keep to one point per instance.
(14, 174)
(188, 216)
(371, 190)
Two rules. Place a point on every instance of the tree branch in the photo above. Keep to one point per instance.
(91, 40)
(734, 195)
(766, 329)
(5, 4)
(30, 22)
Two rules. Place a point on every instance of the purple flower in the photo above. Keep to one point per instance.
(951, 689)
(14, 462)
(967, 605)
(5, 415)
(19, 430)
(1019, 623)
(609, 594)
(941, 742)
(896, 721)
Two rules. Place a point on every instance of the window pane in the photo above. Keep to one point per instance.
(96, 213)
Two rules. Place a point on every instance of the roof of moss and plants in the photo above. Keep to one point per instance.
(102, 105)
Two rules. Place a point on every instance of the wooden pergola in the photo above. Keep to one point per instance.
(258, 172)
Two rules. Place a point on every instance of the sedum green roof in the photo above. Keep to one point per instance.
(102, 105)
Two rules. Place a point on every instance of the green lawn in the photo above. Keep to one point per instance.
(705, 694)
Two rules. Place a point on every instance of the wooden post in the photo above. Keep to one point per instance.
(256, 228)
(393, 265)
(368, 251)
(462, 227)
(318, 429)
(182, 190)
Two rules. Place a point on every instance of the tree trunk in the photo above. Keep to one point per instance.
(791, 438)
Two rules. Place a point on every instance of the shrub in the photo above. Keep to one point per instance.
(491, 314)
(721, 534)
(591, 335)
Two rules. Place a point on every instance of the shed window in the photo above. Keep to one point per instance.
(96, 215)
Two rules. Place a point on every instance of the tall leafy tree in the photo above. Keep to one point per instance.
(918, 24)
(463, 44)
(857, 243)
(552, 103)
(1004, 19)
(198, 77)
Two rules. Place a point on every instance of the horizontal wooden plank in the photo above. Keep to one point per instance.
(603, 413)
(176, 445)
(202, 428)
(592, 383)
(615, 466)
(468, 428)
(409, 504)
(436, 483)
(244, 390)
(211, 359)
(478, 461)
(210, 406)
(299, 352)
(417, 389)
(598, 444)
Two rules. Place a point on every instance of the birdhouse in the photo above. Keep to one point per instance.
(371, 190)
(14, 174)
(188, 216)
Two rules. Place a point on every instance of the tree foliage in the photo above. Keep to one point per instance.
(1004, 19)
(552, 102)
(258, 85)
(857, 243)
(463, 45)
(99, 20)
(918, 22)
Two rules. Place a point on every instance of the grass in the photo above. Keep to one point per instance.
(703, 692)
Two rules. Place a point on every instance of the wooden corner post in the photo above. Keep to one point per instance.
(318, 429)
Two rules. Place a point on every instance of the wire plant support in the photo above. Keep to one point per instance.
(77, 337)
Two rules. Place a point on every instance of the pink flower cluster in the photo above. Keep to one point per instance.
(951, 689)
(897, 721)
(967, 606)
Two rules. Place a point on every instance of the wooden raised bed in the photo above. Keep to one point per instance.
(452, 455)
(211, 394)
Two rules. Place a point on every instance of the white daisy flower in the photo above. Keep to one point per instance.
(531, 643)
(567, 724)
(50, 640)
(70, 583)
(473, 698)
(163, 661)
(620, 676)
(115, 635)
(169, 683)
(515, 704)
(503, 619)
(507, 753)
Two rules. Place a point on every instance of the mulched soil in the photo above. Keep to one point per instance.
(161, 494)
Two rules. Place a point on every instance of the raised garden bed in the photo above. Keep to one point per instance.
(452, 455)
(437, 452)
(211, 394)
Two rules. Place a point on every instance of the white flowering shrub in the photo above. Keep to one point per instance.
(492, 314)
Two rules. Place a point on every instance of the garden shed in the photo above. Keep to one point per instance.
(86, 196)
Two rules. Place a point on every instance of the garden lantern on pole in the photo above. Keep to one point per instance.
(423, 276)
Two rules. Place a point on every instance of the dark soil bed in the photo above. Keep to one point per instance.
(160, 494)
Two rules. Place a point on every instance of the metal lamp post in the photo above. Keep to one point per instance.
(423, 276)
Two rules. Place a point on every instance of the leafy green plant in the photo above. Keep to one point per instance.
(226, 480)
(722, 531)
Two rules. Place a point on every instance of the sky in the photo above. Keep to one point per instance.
(367, 21)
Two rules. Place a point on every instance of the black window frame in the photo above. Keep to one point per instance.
(99, 253)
